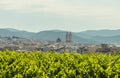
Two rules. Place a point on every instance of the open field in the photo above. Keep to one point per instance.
(56, 65)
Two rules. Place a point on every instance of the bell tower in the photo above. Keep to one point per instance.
(68, 37)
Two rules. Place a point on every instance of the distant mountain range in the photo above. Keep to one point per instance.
(90, 36)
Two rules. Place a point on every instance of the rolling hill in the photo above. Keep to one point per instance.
(90, 36)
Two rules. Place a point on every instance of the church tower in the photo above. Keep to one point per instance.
(68, 37)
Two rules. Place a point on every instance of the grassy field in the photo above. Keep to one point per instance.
(56, 65)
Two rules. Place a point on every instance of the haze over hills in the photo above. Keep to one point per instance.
(90, 36)
(102, 32)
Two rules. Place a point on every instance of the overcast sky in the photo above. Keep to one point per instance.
(70, 15)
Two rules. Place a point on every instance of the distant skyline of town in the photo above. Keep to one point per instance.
(68, 15)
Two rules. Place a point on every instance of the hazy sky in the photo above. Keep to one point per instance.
(70, 15)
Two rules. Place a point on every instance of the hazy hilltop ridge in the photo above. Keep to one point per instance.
(13, 32)
(92, 36)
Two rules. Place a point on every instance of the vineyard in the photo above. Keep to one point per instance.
(56, 65)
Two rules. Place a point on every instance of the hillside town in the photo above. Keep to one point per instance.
(21, 45)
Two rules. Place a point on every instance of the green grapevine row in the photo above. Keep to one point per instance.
(56, 65)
